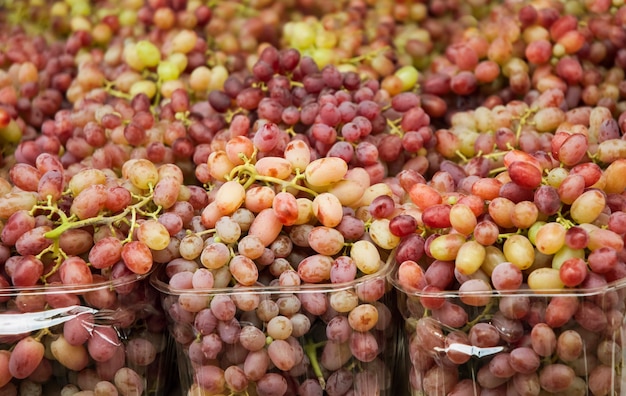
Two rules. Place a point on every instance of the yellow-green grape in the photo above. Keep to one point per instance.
(219, 74)
(484, 119)
(322, 56)
(556, 176)
(493, 257)
(470, 257)
(343, 301)
(566, 253)
(373, 191)
(409, 76)
(380, 234)
(325, 39)
(143, 174)
(467, 138)
(131, 57)
(59, 9)
(446, 247)
(302, 35)
(588, 206)
(200, 79)
(180, 60)
(143, 86)
(11, 133)
(365, 256)
(86, 178)
(545, 279)
(80, 23)
(153, 234)
(184, 41)
(518, 250)
(550, 238)
(167, 71)
(532, 231)
(148, 53)
(82, 8)
(128, 17)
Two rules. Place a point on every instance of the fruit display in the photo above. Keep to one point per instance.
(108, 337)
(350, 197)
(284, 336)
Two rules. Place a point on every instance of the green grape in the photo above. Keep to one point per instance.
(148, 53)
(302, 35)
(409, 76)
(128, 17)
(168, 71)
(11, 133)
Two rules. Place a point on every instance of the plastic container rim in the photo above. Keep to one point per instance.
(156, 280)
(61, 289)
(527, 292)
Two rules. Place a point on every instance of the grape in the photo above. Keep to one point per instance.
(271, 384)
(569, 345)
(411, 275)
(500, 366)
(556, 377)
(103, 344)
(599, 379)
(137, 257)
(524, 360)
(73, 357)
(506, 276)
(475, 292)
(25, 357)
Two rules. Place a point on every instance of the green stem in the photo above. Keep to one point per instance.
(60, 257)
(495, 171)
(483, 315)
(461, 156)
(311, 352)
(564, 221)
(394, 130)
(67, 225)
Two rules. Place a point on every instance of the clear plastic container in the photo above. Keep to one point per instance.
(105, 335)
(524, 342)
(262, 340)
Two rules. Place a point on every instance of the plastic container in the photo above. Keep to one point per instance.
(525, 342)
(248, 351)
(58, 338)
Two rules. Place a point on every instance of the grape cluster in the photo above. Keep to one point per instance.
(108, 337)
(271, 165)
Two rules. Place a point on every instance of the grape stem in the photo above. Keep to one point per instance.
(42, 333)
(482, 316)
(367, 56)
(310, 348)
(562, 220)
(495, 171)
(247, 169)
(523, 120)
(461, 156)
(60, 255)
(108, 87)
(393, 128)
(101, 219)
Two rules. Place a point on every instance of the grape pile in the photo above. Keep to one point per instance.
(275, 168)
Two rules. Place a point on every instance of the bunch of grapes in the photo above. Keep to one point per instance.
(271, 165)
